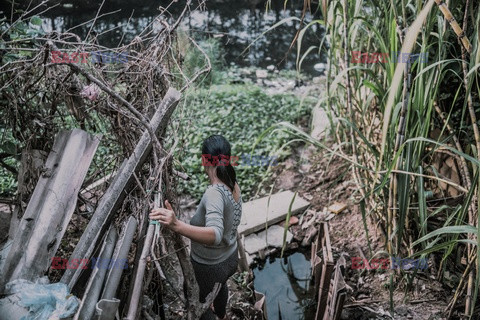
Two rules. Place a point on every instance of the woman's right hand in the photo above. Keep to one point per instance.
(165, 216)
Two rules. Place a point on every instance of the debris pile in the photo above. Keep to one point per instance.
(83, 223)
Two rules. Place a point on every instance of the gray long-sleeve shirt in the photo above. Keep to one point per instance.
(219, 210)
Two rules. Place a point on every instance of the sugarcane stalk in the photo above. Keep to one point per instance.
(349, 98)
(393, 177)
(454, 24)
(461, 285)
(473, 118)
(463, 163)
(398, 142)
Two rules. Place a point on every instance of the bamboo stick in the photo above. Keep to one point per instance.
(120, 254)
(399, 140)
(138, 280)
(92, 294)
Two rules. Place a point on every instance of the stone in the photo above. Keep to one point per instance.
(261, 74)
(274, 236)
(293, 221)
(289, 85)
(320, 67)
(308, 196)
(268, 83)
(318, 80)
(271, 67)
(253, 244)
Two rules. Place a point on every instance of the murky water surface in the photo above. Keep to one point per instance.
(286, 283)
(237, 24)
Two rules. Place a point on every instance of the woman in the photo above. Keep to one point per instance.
(213, 228)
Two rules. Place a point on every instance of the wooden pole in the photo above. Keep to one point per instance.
(243, 264)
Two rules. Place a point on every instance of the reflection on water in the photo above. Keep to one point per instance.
(286, 283)
(236, 23)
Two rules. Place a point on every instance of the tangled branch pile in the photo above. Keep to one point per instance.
(40, 95)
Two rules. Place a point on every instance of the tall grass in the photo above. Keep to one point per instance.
(398, 119)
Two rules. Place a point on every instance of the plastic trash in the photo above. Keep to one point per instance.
(44, 301)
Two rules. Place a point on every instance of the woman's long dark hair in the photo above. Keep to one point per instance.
(217, 145)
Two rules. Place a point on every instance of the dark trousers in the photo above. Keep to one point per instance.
(207, 275)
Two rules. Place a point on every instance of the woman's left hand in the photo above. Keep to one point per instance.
(165, 215)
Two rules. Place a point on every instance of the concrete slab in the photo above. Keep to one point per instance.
(257, 212)
(273, 237)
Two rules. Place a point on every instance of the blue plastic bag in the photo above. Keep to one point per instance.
(44, 301)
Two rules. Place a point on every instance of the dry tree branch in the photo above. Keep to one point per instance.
(95, 19)
(28, 13)
(187, 6)
(115, 95)
(207, 69)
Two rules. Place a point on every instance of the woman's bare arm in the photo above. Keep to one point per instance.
(205, 235)
(166, 216)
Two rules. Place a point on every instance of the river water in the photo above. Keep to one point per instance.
(237, 24)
